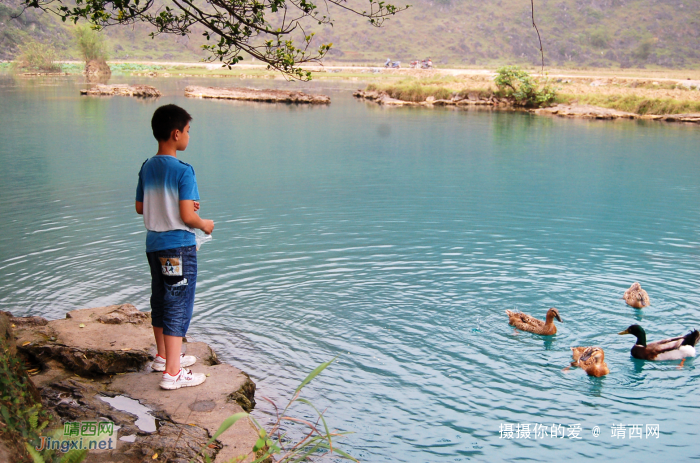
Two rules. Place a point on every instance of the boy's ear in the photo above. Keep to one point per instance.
(175, 134)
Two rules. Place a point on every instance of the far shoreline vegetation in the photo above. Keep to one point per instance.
(638, 95)
(638, 91)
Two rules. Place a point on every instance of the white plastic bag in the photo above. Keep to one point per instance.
(201, 238)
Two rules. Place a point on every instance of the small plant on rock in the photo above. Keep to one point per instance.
(525, 90)
(90, 42)
(273, 443)
(93, 48)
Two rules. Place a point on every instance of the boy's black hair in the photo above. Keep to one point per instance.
(168, 118)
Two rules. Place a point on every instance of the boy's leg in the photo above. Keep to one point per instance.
(157, 300)
(160, 342)
(173, 345)
(180, 278)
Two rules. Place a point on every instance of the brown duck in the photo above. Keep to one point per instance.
(636, 297)
(591, 360)
(527, 323)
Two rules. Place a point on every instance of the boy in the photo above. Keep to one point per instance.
(168, 198)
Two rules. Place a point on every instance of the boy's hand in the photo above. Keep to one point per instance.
(189, 215)
(208, 226)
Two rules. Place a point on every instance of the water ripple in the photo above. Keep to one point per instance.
(401, 258)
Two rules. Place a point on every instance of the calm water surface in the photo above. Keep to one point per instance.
(394, 239)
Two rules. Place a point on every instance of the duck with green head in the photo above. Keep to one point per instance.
(667, 349)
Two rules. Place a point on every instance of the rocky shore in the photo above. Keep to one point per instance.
(572, 110)
(596, 112)
(251, 94)
(87, 364)
(44, 74)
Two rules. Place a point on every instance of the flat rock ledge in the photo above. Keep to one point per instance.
(140, 91)
(252, 94)
(106, 352)
(471, 99)
(595, 112)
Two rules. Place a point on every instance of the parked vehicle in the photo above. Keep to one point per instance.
(392, 64)
(423, 64)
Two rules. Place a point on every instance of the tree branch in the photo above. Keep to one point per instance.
(532, 3)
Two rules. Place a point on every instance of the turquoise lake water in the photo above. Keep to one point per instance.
(394, 239)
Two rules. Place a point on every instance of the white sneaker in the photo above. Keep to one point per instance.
(183, 379)
(185, 361)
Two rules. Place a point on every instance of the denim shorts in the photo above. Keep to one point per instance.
(173, 281)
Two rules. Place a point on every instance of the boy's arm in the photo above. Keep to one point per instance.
(192, 219)
(139, 207)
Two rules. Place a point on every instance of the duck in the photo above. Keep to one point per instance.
(591, 360)
(667, 349)
(576, 353)
(636, 297)
(525, 322)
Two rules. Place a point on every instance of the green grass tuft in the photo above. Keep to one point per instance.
(633, 103)
(418, 90)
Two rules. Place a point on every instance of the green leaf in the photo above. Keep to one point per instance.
(260, 443)
(228, 422)
(265, 456)
(340, 452)
(34, 454)
(328, 431)
(315, 373)
(74, 456)
(42, 426)
(5, 414)
(309, 452)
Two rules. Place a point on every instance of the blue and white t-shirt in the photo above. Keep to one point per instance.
(164, 181)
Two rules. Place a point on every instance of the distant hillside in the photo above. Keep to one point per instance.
(128, 42)
(597, 33)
